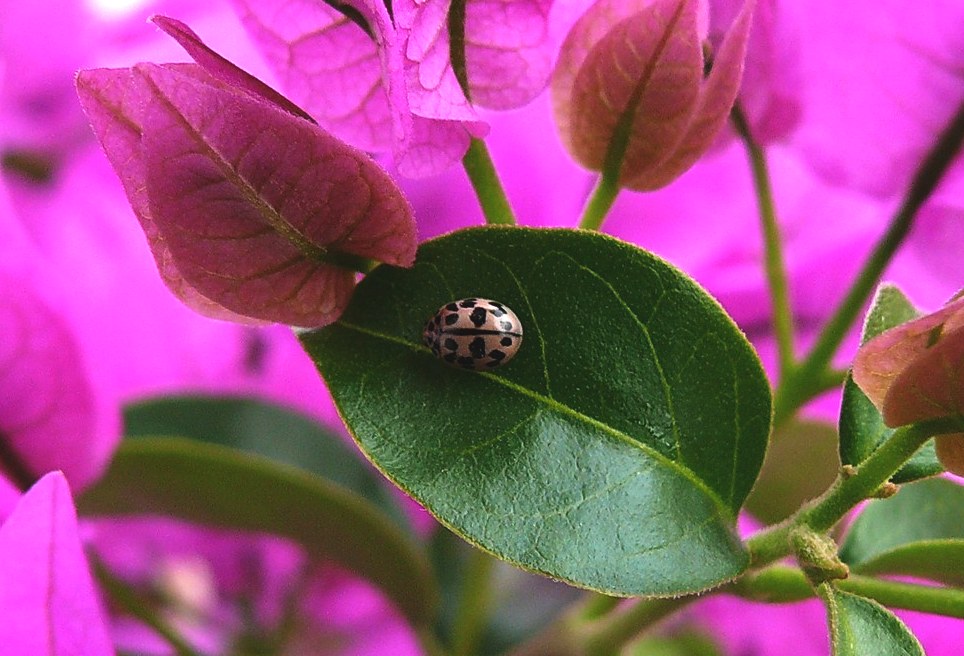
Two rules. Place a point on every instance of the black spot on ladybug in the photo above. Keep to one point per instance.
(478, 316)
(467, 303)
(450, 319)
(451, 344)
(477, 348)
(506, 325)
(506, 341)
(497, 355)
(468, 363)
(452, 307)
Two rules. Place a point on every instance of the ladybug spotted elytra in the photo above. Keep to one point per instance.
(474, 333)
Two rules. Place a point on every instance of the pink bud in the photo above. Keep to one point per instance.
(915, 371)
(629, 93)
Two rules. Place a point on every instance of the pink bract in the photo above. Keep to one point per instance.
(46, 592)
(243, 202)
(771, 88)
(880, 80)
(915, 371)
(387, 84)
(52, 415)
(330, 65)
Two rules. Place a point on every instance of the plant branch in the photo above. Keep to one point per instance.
(803, 385)
(607, 635)
(782, 584)
(600, 202)
(773, 250)
(475, 598)
(774, 542)
(480, 168)
(600, 626)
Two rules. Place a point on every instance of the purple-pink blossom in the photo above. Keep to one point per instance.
(49, 601)
(387, 83)
(247, 204)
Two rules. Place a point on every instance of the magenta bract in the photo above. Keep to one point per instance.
(46, 592)
(52, 415)
(250, 209)
(915, 371)
(387, 83)
(629, 93)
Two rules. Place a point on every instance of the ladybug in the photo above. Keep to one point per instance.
(474, 333)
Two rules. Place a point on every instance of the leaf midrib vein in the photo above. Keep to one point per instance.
(563, 409)
(271, 216)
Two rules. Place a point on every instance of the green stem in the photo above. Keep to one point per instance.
(782, 584)
(803, 385)
(600, 202)
(485, 180)
(609, 634)
(607, 186)
(773, 249)
(909, 596)
(600, 626)
(596, 605)
(121, 594)
(476, 597)
(456, 27)
(821, 515)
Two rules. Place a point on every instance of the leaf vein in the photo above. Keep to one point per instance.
(562, 409)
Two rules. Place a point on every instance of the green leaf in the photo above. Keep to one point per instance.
(265, 429)
(862, 429)
(613, 452)
(220, 487)
(800, 464)
(861, 627)
(918, 532)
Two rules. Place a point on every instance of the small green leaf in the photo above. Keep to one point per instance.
(272, 431)
(861, 627)
(613, 452)
(800, 464)
(889, 308)
(918, 532)
(862, 429)
(220, 487)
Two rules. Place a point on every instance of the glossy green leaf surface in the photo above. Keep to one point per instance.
(918, 532)
(862, 428)
(613, 452)
(275, 432)
(220, 487)
(861, 627)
